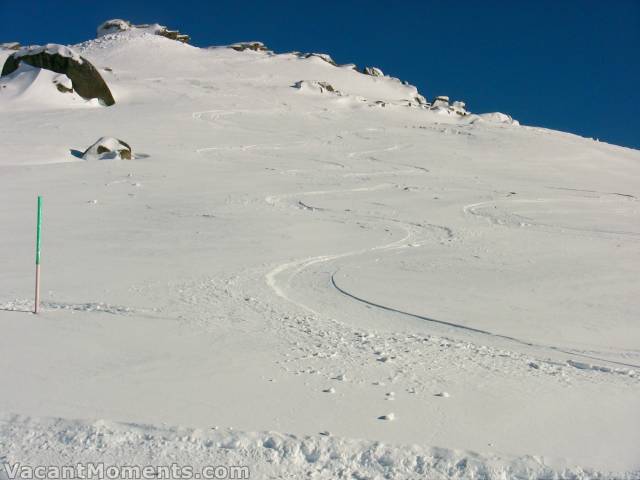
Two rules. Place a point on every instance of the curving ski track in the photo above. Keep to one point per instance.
(300, 265)
(470, 329)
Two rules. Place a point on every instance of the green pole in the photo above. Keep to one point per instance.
(38, 229)
(36, 307)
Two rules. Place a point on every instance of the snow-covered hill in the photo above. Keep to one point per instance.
(390, 288)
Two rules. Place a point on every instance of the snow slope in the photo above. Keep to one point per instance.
(390, 288)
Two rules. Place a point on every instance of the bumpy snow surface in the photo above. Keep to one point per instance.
(313, 285)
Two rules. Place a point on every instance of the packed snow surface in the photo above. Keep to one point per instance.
(310, 284)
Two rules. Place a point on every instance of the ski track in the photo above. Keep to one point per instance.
(474, 209)
(488, 333)
(297, 266)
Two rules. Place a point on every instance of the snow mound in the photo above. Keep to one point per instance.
(33, 441)
(108, 148)
(118, 25)
(497, 117)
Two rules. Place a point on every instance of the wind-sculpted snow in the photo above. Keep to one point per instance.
(381, 286)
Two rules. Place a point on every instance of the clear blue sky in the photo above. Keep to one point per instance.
(563, 64)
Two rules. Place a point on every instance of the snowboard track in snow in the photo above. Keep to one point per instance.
(473, 330)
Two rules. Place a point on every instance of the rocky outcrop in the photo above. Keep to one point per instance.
(441, 103)
(254, 46)
(459, 107)
(373, 71)
(315, 86)
(173, 35)
(108, 148)
(117, 25)
(85, 79)
(321, 56)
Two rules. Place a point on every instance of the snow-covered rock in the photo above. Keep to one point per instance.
(118, 25)
(254, 46)
(441, 104)
(50, 49)
(114, 25)
(441, 101)
(459, 107)
(322, 56)
(32, 88)
(108, 148)
(10, 46)
(63, 83)
(497, 117)
(85, 79)
(373, 71)
(349, 66)
(316, 87)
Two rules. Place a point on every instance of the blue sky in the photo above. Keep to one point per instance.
(563, 64)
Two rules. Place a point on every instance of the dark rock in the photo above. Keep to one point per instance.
(85, 79)
(173, 35)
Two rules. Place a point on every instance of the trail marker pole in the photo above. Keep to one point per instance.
(36, 307)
